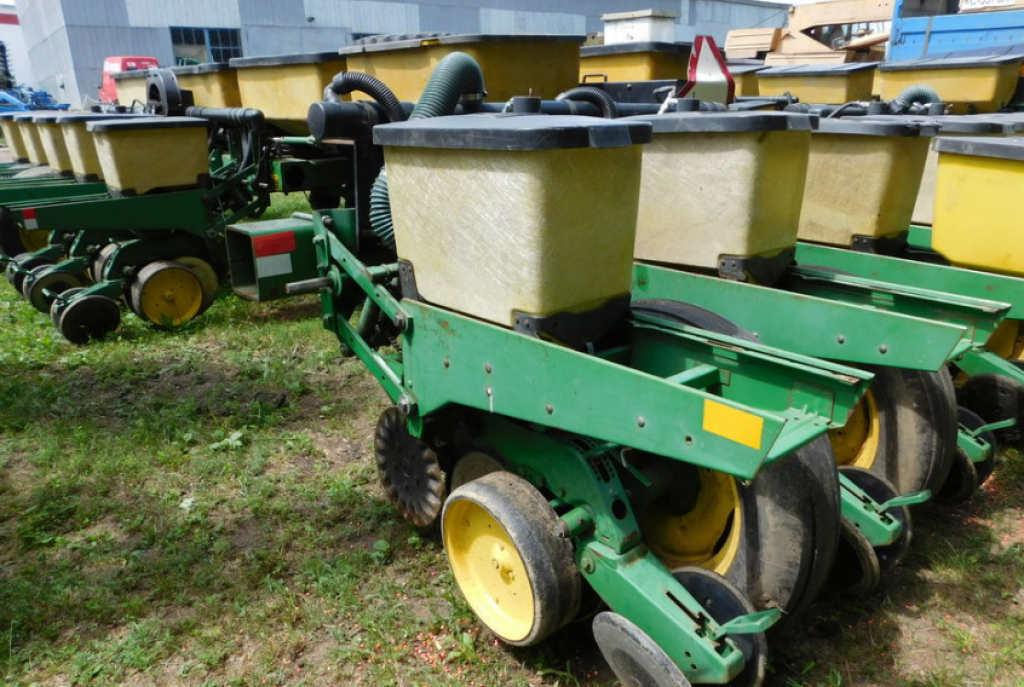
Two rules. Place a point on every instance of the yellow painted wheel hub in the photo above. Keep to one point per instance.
(489, 570)
(33, 239)
(706, 536)
(167, 294)
(857, 443)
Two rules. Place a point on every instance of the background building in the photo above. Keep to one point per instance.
(13, 37)
(68, 39)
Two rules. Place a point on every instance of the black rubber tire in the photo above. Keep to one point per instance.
(55, 308)
(532, 526)
(633, 656)
(857, 571)
(10, 238)
(88, 318)
(26, 262)
(918, 412)
(961, 483)
(793, 505)
(724, 601)
(995, 398)
(53, 280)
(881, 491)
(971, 420)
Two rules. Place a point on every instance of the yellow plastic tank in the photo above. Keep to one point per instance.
(828, 84)
(949, 125)
(140, 154)
(506, 215)
(640, 61)
(862, 179)
(284, 86)
(977, 193)
(213, 85)
(981, 84)
(131, 87)
(540, 65)
(85, 161)
(12, 134)
(745, 78)
(30, 138)
(52, 137)
(720, 186)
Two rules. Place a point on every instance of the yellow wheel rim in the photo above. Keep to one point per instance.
(171, 296)
(33, 239)
(708, 535)
(857, 443)
(489, 570)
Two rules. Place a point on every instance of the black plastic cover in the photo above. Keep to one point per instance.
(144, 123)
(95, 117)
(638, 47)
(512, 132)
(458, 40)
(1000, 148)
(733, 122)
(952, 124)
(207, 68)
(817, 69)
(282, 60)
(864, 126)
(972, 62)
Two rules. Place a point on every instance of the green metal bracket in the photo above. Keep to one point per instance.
(979, 361)
(168, 211)
(264, 257)
(810, 325)
(752, 623)
(953, 280)
(920, 237)
(980, 317)
(992, 427)
(913, 499)
(867, 515)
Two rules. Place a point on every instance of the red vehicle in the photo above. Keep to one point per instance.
(116, 65)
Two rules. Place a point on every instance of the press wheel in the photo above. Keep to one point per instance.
(857, 571)
(634, 657)
(98, 268)
(52, 279)
(516, 573)
(166, 293)
(208, 279)
(881, 491)
(471, 466)
(89, 317)
(962, 481)
(57, 307)
(409, 471)
(724, 601)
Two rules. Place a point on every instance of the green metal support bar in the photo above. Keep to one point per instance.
(810, 325)
(26, 197)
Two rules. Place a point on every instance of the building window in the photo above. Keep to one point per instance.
(205, 45)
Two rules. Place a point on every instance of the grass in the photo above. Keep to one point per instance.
(199, 507)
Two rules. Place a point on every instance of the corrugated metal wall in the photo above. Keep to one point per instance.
(68, 39)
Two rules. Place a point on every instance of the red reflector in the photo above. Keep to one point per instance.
(28, 213)
(273, 244)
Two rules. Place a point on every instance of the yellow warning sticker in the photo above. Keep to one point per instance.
(735, 425)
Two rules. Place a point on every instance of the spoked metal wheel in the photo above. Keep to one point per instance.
(409, 470)
(166, 294)
(903, 429)
(516, 573)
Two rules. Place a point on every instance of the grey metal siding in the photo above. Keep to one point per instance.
(365, 16)
(89, 45)
(96, 13)
(450, 19)
(277, 13)
(207, 13)
(267, 40)
(511, 21)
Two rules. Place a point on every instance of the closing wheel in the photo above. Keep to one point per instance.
(516, 573)
(962, 481)
(57, 307)
(881, 491)
(21, 265)
(996, 398)
(408, 469)
(48, 279)
(16, 239)
(972, 421)
(471, 466)
(724, 601)
(903, 429)
(98, 268)
(89, 317)
(857, 571)
(775, 538)
(166, 293)
(634, 657)
(208, 279)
